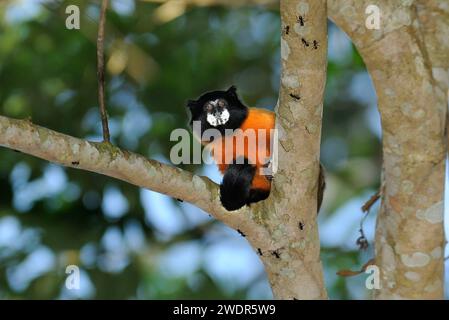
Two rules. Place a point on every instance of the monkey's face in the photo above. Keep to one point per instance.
(219, 110)
(217, 113)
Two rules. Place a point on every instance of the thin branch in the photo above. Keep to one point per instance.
(100, 71)
(362, 241)
(350, 273)
(367, 206)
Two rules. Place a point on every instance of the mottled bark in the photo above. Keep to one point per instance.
(409, 234)
(433, 16)
(295, 271)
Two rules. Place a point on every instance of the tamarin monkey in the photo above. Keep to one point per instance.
(244, 179)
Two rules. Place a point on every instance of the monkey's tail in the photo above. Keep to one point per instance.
(236, 185)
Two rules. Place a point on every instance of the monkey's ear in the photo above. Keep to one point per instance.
(191, 103)
(232, 90)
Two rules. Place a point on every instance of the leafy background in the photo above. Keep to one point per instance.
(134, 243)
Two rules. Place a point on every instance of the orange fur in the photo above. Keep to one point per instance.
(227, 148)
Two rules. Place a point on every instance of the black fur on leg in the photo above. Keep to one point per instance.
(236, 185)
(256, 195)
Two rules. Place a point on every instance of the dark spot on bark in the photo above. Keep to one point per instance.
(301, 21)
(276, 254)
(295, 299)
(177, 199)
(287, 30)
(241, 233)
(305, 42)
(259, 251)
(301, 226)
(295, 96)
(316, 45)
(126, 154)
(75, 163)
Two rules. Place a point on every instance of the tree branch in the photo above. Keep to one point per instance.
(100, 71)
(106, 159)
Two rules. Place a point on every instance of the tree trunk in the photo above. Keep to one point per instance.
(295, 270)
(409, 234)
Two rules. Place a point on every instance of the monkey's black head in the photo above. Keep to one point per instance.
(218, 109)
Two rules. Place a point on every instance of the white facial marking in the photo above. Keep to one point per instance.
(216, 119)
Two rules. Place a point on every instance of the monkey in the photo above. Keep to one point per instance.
(246, 179)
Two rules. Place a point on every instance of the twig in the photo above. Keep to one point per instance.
(371, 202)
(350, 273)
(100, 71)
(362, 241)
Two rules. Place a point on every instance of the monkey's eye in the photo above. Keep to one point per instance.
(208, 107)
(222, 103)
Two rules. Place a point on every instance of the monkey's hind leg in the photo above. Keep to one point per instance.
(257, 195)
(236, 185)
